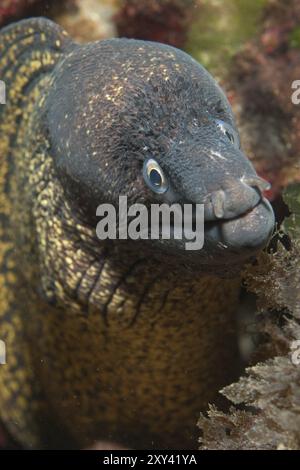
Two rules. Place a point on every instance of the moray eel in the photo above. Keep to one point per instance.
(116, 339)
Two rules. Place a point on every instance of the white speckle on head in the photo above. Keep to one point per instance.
(213, 153)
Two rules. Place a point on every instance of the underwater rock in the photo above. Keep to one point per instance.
(87, 20)
(218, 30)
(165, 21)
(270, 390)
(262, 76)
(13, 9)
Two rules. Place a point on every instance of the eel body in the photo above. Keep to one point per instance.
(117, 340)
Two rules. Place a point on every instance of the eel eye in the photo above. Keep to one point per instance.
(154, 176)
(230, 133)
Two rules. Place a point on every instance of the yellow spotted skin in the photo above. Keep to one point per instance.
(100, 345)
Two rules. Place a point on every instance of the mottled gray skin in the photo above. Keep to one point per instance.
(117, 340)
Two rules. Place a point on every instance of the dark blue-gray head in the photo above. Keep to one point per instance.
(117, 105)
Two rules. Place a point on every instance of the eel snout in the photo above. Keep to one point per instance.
(235, 198)
(239, 216)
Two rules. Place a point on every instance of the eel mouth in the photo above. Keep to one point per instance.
(248, 232)
(238, 223)
(238, 217)
(236, 227)
(230, 240)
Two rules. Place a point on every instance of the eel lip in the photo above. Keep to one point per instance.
(248, 232)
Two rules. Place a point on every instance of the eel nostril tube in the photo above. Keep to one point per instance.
(218, 201)
(257, 182)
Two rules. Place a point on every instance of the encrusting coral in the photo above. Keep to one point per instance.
(266, 414)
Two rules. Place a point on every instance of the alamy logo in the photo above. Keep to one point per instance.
(296, 94)
(160, 221)
(2, 352)
(295, 355)
(2, 92)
